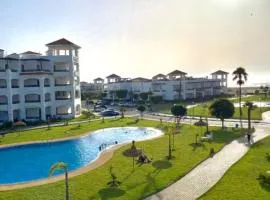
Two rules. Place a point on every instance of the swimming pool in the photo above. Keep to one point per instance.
(24, 163)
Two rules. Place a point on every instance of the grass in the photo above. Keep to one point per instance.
(202, 109)
(136, 184)
(240, 182)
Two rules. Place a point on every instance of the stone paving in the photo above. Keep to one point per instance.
(209, 172)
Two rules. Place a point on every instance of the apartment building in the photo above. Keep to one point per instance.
(38, 87)
(175, 85)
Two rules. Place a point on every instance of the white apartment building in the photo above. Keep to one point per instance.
(173, 86)
(38, 87)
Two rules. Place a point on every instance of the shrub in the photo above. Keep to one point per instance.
(6, 125)
(264, 178)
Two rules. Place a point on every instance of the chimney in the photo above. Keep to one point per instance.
(1, 53)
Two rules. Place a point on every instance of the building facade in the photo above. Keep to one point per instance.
(38, 87)
(173, 86)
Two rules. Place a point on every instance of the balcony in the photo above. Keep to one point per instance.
(31, 83)
(3, 100)
(15, 83)
(3, 83)
(33, 113)
(61, 68)
(32, 98)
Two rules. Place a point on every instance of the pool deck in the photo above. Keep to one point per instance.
(104, 156)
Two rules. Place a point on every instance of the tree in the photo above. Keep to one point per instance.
(121, 94)
(265, 90)
(102, 95)
(178, 111)
(144, 96)
(222, 109)
(250, 106)
(240, 76)
(122, 110)
(141, 108)
(61, 166)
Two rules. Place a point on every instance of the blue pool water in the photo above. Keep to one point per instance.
(32, 162)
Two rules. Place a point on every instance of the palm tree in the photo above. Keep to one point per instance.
(240, 76)
(250, 107)
(62, 166)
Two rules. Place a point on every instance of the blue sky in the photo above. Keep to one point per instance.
(145, 37)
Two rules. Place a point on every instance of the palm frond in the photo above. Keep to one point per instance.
(57, 166)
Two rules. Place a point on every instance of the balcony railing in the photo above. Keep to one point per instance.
(3, 86)
(3, 103)
(33, 117)
(36, 70)
(32, 101)
(62, 84)
(15, 86)
(61, 69)
(31, 85)
(47, 85)
(62, 98)
(16, 101)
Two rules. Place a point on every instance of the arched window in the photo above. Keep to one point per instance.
(3, 83)
(47, 97)
(16, 99)
(32, 98)
(47, 82)
(3, 100)
(31, 82)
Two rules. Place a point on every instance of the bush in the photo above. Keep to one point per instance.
(264, 178)
(6, 125)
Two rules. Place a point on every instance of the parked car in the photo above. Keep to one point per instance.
(99, 108)
(109, 113)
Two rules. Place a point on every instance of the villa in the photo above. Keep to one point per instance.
(174, 85)
(37, 87)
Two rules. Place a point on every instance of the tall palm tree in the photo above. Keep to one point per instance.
(240, 76)
(61, 166)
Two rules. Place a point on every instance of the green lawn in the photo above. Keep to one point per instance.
(202, 109)
(144, 180)
(240, 181)
(253, 98)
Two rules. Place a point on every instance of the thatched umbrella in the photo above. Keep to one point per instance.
(19, 124)
(133, 152)
(201, 123)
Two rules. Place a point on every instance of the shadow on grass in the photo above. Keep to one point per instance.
(75, 128)
(227, 135)
(110, 193)
(162, 164)
(135, 121)
(197, 145)
(265, 186)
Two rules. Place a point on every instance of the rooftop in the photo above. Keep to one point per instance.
(63, 41)
(113, 76)
(30, 52)
(177, 72)
(220, 72)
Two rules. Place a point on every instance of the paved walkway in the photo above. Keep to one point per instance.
(209, 172)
